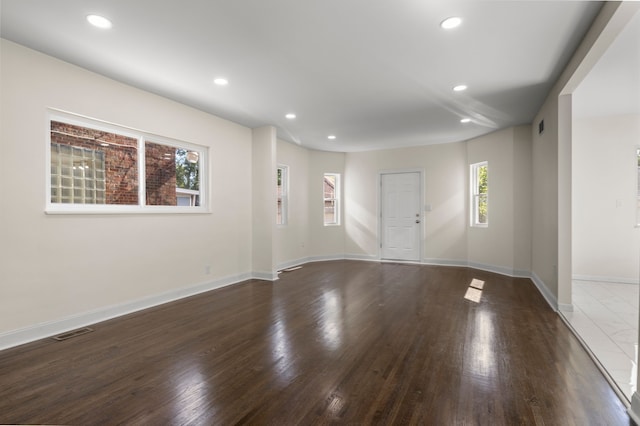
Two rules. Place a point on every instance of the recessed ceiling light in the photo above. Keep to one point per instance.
(221, 81)
(99, 21)
(460, 88)
(332, 137)
(290, 116)
(465, 120)
(451, 22)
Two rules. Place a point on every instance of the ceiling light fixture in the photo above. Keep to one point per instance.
(460, 88)
(290, 116)
(465, 120)
(221, 81)
(99, 21)
(451, 22)
(332, 137)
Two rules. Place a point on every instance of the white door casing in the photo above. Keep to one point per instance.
(400, 213)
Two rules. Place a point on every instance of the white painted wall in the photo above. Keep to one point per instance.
(55, 267)
(264, 198)
(505, 243)
(292, 239)
(445, 226)
(606, 242)
(325, 242)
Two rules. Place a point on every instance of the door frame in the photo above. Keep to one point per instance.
(421, 186)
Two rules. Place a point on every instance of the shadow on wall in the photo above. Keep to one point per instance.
(361, 228)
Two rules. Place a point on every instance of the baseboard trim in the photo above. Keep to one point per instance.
(544, 290)
(51, 328)
(634, 408)
(599, 278)
(265, 276)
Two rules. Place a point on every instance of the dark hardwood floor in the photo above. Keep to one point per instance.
(341, 342)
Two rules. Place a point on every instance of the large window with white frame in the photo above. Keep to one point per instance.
(331, 191)
(99, 167)
(479, 173)
(282, 212)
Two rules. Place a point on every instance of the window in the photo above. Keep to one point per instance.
(97, 167)
(331, 189)
(283, 195)
(479, 194)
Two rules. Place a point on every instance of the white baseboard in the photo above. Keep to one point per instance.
(52, 328)
(544, 290)
(266, 276)
(599, 278)
(634, 408)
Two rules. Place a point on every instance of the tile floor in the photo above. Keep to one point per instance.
(605, 316)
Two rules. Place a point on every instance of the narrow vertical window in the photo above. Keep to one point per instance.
(283, 195)
(331, 189)
(479, 194)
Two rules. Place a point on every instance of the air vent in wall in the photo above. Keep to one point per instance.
(541, 127)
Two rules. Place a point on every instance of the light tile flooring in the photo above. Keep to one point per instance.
(605, 316)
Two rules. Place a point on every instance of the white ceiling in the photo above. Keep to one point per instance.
(376, 73)
(612, 87)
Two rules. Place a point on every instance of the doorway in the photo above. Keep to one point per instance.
(400, 214)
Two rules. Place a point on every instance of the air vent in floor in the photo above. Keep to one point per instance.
(74, 333)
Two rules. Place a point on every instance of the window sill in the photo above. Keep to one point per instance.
(83, 209)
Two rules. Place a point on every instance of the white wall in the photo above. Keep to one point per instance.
(57, 267)
(505, 242)
(264, 198)
(325, 242)
(606, 243)
(448, 239)
(292, 239)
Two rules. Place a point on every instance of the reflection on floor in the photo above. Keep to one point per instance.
(605, 316)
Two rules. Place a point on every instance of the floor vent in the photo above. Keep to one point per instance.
(74, 333)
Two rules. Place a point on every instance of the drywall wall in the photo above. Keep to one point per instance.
(55, 267)
(551, 153)
(505, 243)
(325, 242)
(606, 240)
(445, 192)
(292, 239)
(263, 170)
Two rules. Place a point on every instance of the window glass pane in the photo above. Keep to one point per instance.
(83, 159)
(331, 196)
(479, 194)
(172, 175)
(282, 195)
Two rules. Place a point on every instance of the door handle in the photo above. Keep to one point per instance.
(417, 220)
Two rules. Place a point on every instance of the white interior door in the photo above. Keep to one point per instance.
(401, 216)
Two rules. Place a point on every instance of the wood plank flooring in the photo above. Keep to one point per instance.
(341, 342)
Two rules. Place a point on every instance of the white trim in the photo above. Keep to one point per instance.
(266, 276)
(142, 137)
(604, 279)
(565, 307)
(365, 257)
(446, 262)
(634, 408)
(544, 290)
(421, 177)
(51, 328)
